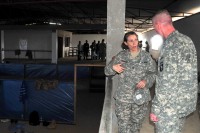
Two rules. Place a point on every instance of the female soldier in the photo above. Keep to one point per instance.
(136, 71)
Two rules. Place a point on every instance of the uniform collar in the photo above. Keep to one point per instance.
(166, 44)
(167, 40)
(172, 34)
(138, 57)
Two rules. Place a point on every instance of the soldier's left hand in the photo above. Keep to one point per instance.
(141, 84)
(153, 117)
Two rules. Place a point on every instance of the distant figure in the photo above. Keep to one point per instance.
(80, 50)
(93, 50)
(140, 44)
(147, 46)
(86, 49)
(102, 50)
(97, 49)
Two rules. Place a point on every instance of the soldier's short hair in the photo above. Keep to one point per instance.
(162, 16)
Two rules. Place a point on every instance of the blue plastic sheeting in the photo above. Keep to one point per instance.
(10, 106)
(12, 70)
(57, 103)
(37, 71)
(67, 72)
(54, 104)
(43, 71)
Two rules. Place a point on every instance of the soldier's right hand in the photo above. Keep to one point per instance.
(118, 68)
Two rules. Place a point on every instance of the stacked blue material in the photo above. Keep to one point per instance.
(19, 94)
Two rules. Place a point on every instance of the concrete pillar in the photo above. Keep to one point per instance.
(115, 26)
(2, 46)
(54, 44)
(115, 33)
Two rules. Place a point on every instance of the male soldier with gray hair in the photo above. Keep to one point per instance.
(176, 83)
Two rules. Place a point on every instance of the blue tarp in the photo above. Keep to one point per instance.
(56, 103)
(12, 70)
(10, 106)
(42, 71)
(38, 71)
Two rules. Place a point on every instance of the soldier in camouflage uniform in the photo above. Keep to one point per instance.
(136, 70)
(176, 83)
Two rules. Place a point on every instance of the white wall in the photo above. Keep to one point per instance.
(36, 40)
(42, 40)
(90, 37)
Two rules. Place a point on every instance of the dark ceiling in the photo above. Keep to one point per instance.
(86, 16)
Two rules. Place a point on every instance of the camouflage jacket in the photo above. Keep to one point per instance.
(142, 67)
(176, 84)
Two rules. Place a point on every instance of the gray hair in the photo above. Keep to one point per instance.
(162, 16)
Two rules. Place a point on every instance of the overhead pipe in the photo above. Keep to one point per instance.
(46, 1)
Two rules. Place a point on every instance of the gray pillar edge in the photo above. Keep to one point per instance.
(106, 115)
(115, 33)
(2, 46)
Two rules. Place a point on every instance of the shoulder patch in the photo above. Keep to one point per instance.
(188, 58)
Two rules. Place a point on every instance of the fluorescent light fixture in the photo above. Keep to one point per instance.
(30, 24)
(194, 10)
(52, 23)
(176, 18)
(189, 13)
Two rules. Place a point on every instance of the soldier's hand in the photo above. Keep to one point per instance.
(141, 84)
(118, 68)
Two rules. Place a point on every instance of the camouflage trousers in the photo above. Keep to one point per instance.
(170, 125)
(130, 116)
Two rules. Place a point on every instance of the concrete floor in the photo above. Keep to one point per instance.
(86, 124)
(89, 109)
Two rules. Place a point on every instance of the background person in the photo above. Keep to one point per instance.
(93, 50)
(86, 49)
(80, 50)
(97, 49)
(102, 50)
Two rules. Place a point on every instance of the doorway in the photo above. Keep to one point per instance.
(60, 47)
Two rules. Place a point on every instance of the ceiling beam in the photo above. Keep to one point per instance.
(56, 27)
(45, 1)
